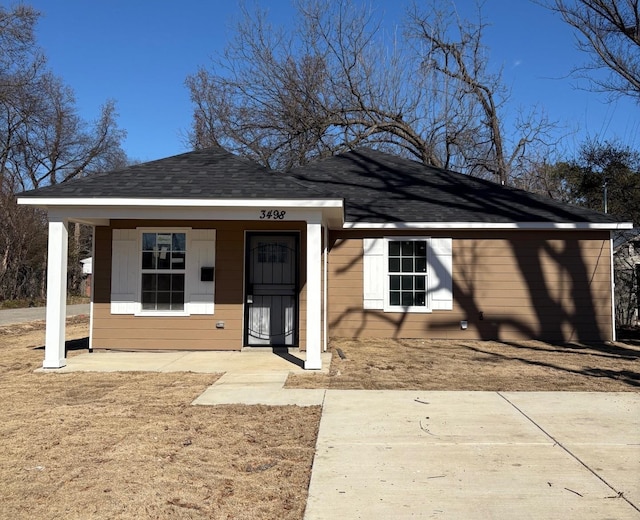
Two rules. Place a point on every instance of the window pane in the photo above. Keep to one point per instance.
(394, 298)
(394, 248)
(421, 248)
(164, 240)
(164, 301)
(407, 299)
(164, 258)
(420, 299)
(164, 282)
(420, 283)
(148, 300)
(407, 283)
(179, 242)
(177, 283)
(148, 241)
(177, 301)
(394, 265)
(148, 282)
(177, 261)
(421, 265)
(407, 265)
(394, 283)
(407, 248)
(148, 260)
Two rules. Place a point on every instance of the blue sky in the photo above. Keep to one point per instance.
(140, 52)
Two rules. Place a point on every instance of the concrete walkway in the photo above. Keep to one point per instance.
(249, 377)
(13, 316)
(477, 455)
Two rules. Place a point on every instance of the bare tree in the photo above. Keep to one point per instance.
(454, 49)
(610, 31)
(344, 80)
(43, 141)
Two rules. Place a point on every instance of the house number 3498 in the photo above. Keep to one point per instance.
(272, 214)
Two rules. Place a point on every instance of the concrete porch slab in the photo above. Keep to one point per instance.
(205, 362)
(249, 377)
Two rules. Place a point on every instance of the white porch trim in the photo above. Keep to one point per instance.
(54, 350)
(314, 295)
(325, 290)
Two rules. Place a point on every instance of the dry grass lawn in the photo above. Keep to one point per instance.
(477, 365)
(130, 445)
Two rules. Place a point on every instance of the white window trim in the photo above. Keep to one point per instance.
(139, 310)
(387, 275)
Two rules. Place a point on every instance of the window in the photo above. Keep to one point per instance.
(158, 271)
(407, 268)
(407, 274)
(269, 253)
(163, 271)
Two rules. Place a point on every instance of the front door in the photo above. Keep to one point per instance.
(271, 309)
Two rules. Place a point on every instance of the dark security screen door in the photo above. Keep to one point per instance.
(271, 289)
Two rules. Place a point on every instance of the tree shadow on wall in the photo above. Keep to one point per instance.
(563, 290)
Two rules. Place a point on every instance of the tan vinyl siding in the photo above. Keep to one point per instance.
(552, 285)
(196, 332)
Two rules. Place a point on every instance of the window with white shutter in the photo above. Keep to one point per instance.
(162, 271)
(408, 274)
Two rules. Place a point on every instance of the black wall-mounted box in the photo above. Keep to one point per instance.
(206, 274)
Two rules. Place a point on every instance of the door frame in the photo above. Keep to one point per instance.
(245, 280)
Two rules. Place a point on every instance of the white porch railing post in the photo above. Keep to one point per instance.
(314, 296)
(54, 350)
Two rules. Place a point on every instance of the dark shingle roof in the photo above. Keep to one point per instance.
(212, 173)
(378, 187)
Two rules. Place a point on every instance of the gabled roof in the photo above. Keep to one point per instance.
(378, 188)
(212, 173)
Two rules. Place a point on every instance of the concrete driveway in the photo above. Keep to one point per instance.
(477, 455)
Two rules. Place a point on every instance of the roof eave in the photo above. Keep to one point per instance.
(494, 226)
(123, 202)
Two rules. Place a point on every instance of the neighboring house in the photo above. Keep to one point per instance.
(626, 265)
(207, 250)
(85, 285)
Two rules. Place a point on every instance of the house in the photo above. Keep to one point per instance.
(626, 266)
(207, 250)
(85, 286)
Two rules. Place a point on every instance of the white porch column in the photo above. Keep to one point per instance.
(54, 350)
(314, 296)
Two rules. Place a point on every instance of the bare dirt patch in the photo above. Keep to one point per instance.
(130, 445)
(477, 365)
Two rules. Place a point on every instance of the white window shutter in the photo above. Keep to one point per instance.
(374, 273)
(201, 252)
(441, 269)
(124, 271)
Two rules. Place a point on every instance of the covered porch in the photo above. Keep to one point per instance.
(314, 217)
